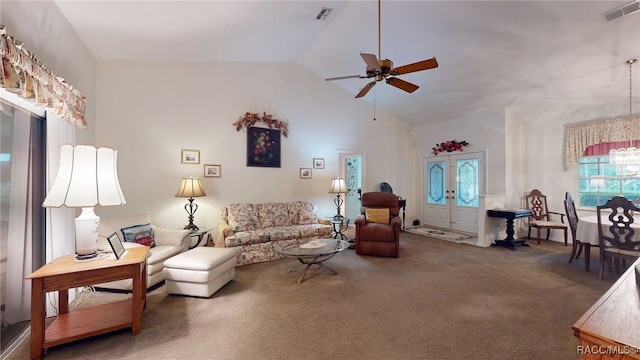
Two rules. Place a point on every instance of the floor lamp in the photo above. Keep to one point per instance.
(338, 186)
(86, 177)
(190, 187)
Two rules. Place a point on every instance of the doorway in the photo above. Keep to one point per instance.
(351, 171)
(452, 185)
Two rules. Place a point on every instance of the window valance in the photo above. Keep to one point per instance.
(584, 134)
(23, 74)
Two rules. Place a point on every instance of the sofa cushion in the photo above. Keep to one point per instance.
(169, 236)
(141, 234)
(246, 238)
(282, 233)
(272, 214)
(161, 253)
(314, 230)
(302, 212)
(241, 217)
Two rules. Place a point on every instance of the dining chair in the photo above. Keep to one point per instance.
(577, 245)
(618, 240)
(541, 216)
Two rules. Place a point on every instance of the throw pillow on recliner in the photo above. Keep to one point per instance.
(380, 216)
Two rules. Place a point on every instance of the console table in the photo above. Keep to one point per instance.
(65, 273)
(510, 215)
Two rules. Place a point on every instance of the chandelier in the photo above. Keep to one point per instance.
(627, 160)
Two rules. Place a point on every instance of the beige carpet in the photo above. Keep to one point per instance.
(439, 300)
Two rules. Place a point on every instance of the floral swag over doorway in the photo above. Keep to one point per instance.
(249, 119)
(449, 146)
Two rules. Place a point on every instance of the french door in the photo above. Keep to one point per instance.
(353, 177)
(452, 184)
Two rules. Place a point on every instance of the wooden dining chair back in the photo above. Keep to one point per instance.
(617, 233)
(572, 219)
(541, 216)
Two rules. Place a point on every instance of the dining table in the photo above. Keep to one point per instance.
(587, 233)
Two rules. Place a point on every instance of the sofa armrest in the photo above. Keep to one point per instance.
(360, 220)
(224, 231)
(324, 221)
(172, 237)
(396, 222)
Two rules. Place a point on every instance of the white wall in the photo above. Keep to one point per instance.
(539, 160)
(483, 131)
(149, 111)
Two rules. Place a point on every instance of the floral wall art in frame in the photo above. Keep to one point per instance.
(212, 170)
(449, 146)
(305, 173)
(263, 147)
(318, 163)
(190, 156)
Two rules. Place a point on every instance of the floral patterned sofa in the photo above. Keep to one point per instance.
(254, 230)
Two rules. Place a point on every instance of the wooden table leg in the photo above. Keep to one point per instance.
(136, 301)
(63, 301)
(37, 318)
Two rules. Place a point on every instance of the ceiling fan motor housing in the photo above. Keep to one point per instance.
(386, 65)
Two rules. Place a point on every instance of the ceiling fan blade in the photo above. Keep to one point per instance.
(345, 77)
(417, 66)
(372, 62)
(365, 89)
(402, 85)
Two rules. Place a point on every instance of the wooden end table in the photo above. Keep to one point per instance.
(65, 273)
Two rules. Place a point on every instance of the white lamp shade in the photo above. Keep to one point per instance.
(86, 177)
(338, 186)
(190, 187)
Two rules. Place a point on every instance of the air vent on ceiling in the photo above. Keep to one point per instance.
(324, 13)
(623, 10)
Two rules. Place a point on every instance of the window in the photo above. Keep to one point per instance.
(598, 182)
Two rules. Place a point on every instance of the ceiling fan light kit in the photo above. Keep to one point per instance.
(382, 69)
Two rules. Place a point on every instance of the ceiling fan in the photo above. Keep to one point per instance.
(384, 70)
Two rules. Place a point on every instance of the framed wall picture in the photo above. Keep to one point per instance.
(190, 156)
(305, 173)
(263, 147)
(318, 163)
(212, 170)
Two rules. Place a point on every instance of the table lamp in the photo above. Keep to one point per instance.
(190, 187)
(86, 177)
(338, 186)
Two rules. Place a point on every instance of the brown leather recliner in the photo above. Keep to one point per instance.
(378, 238)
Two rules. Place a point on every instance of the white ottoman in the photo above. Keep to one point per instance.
(200, 271)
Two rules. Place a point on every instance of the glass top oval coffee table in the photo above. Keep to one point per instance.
(314, 252)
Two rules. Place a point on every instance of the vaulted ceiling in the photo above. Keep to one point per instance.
(492, 54)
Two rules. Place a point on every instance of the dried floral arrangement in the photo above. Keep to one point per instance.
(249, 119)
(449, 146)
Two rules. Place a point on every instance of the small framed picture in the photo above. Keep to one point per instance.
(116, 245)
(190, 156)
(212, 170)
(318, 163)
(305, 173)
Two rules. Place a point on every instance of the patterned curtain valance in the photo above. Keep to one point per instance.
(23, 74)
(587, 133)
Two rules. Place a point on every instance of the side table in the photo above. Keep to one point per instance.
(339, 227)
(65, 273)
(199, 235)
